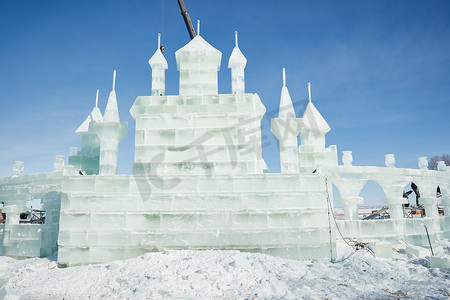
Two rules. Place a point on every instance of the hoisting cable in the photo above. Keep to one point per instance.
(329, 221)
(354, 244)
(161, 47)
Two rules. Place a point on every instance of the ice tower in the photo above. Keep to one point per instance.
(286, 129)
(198, 131)
(312, 151)
(237, 63)
(87, 160)
(110, 132)
(158, 64)
(198, 63)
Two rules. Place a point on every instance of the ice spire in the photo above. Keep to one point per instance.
(87, 159)
(237, 63)
(312, 151)
(112, 111)
(286, 107)
(198, 27)
(114, 80)
(286, 129)
(110, 132)
(309, 92)
(158, 64)
(312, 119)
(94, 116)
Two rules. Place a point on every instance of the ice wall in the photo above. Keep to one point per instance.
(29, 240)
(199, 134)
(350, 180)
(104, 218)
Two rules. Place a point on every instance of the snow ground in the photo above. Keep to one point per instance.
(188, 274)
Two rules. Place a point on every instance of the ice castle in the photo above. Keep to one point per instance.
(200, 181)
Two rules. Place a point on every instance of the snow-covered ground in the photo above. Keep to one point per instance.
(188, 274)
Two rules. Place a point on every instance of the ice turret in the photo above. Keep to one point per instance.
(158, 64)
(110, 132)
(94, 116)
(237, 65)
(312, 151)
(87, 160)
(314, 125)
(198, 63)
(286, 129)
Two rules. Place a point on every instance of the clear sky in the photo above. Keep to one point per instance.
(379, 70)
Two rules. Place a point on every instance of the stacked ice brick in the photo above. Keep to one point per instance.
(104, 218)
(199, 180)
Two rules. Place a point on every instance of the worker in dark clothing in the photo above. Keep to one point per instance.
(405, 195)
(416, 191)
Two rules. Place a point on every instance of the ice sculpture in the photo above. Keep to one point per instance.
(200, 181)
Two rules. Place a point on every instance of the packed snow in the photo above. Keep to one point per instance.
(188, 274)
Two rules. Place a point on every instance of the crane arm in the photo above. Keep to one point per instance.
(187, 20)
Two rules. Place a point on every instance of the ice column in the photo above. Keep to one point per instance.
(286, 129)
(444, 186)
(393, 187)
(158, 64)
(110, 132)
(349, 186)
(427, 187)
(237, 65)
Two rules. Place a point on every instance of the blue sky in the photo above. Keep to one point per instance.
(379, 70)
